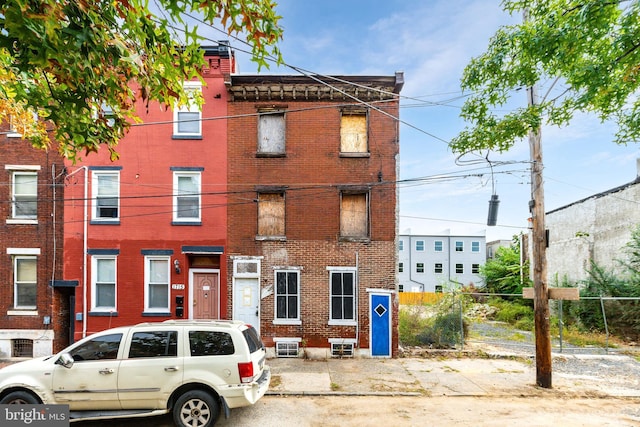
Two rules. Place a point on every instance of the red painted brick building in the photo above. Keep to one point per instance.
(145, 235)
(312, 224)
(34, 301)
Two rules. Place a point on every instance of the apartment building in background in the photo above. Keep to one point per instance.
(440, 262)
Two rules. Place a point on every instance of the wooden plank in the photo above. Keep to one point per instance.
(564, 293)
(555, 293)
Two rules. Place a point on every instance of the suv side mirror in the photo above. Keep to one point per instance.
(65, 360)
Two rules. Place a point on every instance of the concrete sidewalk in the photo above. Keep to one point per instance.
(506, 376)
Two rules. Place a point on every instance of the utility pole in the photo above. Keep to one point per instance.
(538, 258)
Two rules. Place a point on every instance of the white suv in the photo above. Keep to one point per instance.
(194, 368)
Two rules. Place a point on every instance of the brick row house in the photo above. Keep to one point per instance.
(274, 202)
(312, 211)
(34, 301)
(145, 235)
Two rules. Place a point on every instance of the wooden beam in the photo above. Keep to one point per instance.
(555, 293)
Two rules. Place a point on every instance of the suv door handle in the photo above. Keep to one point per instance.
(171, 369)
(106, 371)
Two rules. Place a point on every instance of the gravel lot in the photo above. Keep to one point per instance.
(568, 360)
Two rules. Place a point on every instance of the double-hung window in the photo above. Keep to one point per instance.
(106, 196)
(24, 195)
(419, 245)
(187, 195)
(475, 246)
(187, 118)
(156, 279)
(437, 246)
(24, 281)
(103, 282)
(342, 296)
(287, 296)
(459, 246)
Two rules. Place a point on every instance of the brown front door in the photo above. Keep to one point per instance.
(206, 296)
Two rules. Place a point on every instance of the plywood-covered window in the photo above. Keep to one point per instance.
(354, 215)
(353, 132)
(271, 214)
(271, 133)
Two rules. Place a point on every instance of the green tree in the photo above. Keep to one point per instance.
(590, 47)
(68, 60)
(503, 274)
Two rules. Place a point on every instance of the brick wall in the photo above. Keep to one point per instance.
(46, 235)
(312, 173)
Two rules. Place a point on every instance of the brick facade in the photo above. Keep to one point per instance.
(312, 172)
(45, 326)
(147, 227)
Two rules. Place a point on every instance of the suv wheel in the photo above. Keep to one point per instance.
(196, 408)
(19, 398)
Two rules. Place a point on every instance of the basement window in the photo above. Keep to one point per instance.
(342, 348)
(21, 347)
(287, 347)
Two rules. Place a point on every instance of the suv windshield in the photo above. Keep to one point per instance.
(253, 340)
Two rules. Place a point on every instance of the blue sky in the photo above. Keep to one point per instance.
(431, 42)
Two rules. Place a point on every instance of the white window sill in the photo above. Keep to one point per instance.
(287, 322)
(22, 221)
(24, 312)
(342, 323)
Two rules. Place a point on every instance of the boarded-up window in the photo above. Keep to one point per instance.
(271, 214)
(353, 133)
(354, 216)
(271, 133)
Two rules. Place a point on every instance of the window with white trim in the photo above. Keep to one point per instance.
(342, 296)
(420, 267)
(437, 269)
(156, 283)
(106, 195)
(475, 246)
(459, 246)
(103, 283)
(475, 268)
(187, 119)
(437, 246)
(186, 196)
(401, 245)
(459, 269)
(25, 274)
(287, 296)
(24, 195)
(419, 245)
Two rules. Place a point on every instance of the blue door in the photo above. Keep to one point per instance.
(380, 315)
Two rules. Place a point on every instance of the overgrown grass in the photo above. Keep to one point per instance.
(438, 325)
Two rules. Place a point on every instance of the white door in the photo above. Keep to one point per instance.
(246, 301)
